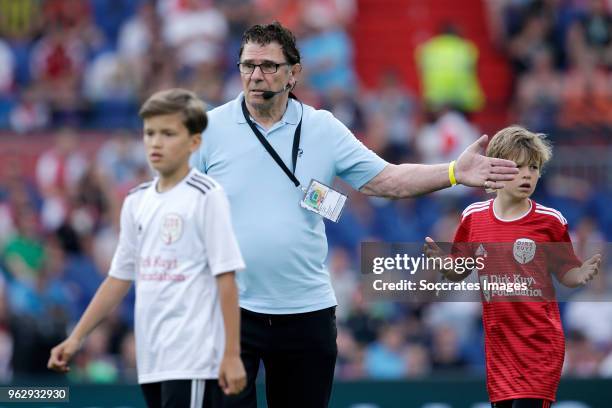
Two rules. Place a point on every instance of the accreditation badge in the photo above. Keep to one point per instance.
(323, 200)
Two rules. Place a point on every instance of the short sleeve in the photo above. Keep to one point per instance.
(462, 234)
(355, 163)
(221, 244)
(123, 265)
(562, 256)
(461, 242)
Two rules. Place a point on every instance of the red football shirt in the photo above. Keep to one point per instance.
(524, 342)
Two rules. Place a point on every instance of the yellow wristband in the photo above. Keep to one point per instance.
(451, 173)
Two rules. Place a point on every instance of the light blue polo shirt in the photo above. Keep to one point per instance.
(284, 246)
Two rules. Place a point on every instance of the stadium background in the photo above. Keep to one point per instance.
(415, 80)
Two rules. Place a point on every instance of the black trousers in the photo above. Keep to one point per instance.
(299, 356)
(183, 394)
(522, 403)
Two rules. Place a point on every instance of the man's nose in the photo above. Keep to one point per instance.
(257, 74)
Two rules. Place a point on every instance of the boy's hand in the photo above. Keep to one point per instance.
(232, 377)
(431, 249)
(589, 269)
(62, 354)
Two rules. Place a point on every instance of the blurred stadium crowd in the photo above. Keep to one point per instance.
(72, 65)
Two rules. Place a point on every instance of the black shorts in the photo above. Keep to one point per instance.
(183, 394)
(522, 403)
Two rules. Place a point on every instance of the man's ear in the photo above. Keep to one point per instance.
(296, 69)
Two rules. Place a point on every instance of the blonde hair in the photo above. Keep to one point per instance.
(517, 143)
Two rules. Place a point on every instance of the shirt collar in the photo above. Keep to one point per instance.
(291, 116)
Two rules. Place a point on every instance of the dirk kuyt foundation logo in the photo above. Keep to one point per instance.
(171, 228)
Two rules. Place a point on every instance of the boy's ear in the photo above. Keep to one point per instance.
(196, 141)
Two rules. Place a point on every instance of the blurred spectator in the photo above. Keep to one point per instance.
(120, 158)
(206, 80)
(346, 108)
(75, 18)
(58, 172)
(605, 369)
(6, 337)
(94, 363)
(287, 12)
(587, 239)
(596, 24)
(386, 357)
(104, 244)
(162, 69)
(13, 195)
(57, 63)
(38, 315)
(30, 113)
(590, 312)
(448, 69)
(356, 224)
(446, 137)
(500, 20)
(418, 360)
(327, 52)
(109, 78)
(581, 357)
(24, 253)
(66, 13)
(586, 95)
(113, 89)
(7, 226)
(538, 94)
(445, 226)
(109, 15)
(81, 274)
(460, 318)
(91, 203)
(397, 221)
(20, 19)
(363, 325)
(136, 38)
(46, 298)
(195, 28)
(350, 356)
(240, 15)
(446, 350)
(7, 67)
(7, 82)
(397, 106)
(344, 280)
(127, 362)
(533, 37)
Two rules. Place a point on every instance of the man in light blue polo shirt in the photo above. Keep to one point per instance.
(286, 296)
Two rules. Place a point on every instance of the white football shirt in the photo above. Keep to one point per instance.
(172, 245)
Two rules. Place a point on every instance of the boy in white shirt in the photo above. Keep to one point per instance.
(177, 244)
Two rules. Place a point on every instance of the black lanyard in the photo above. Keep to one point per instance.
(270, 149)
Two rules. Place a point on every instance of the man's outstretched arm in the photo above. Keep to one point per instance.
(471, 169)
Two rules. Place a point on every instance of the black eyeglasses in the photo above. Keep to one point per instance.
(267, 67)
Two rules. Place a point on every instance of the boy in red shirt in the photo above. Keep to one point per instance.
(522, 242)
